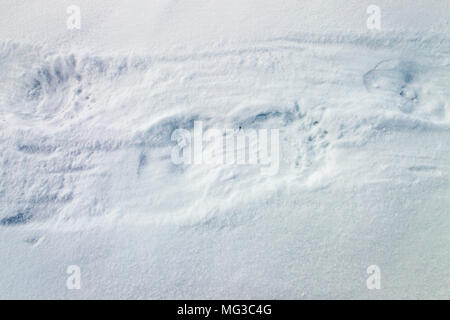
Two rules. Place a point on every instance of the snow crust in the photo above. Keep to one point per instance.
(86, 177)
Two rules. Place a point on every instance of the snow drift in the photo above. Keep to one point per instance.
(85, 151)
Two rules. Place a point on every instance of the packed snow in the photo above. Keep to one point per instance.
(87, 122)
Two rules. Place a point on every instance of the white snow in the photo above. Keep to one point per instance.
(86, 176)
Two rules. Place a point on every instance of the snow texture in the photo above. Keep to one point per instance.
(86, 177)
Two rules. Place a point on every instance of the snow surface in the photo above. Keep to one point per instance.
(86, 178)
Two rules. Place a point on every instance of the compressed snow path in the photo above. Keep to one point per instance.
(86, 177)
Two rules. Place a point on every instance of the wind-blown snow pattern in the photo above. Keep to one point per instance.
(87, 179)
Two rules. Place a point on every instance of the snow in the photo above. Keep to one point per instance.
(86, 176)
